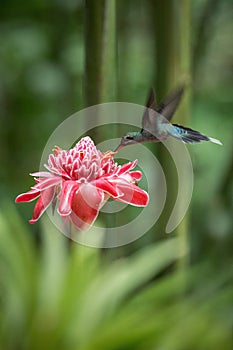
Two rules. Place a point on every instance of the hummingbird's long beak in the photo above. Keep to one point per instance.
(118, 148)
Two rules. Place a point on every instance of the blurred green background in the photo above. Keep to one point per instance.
(57, 296)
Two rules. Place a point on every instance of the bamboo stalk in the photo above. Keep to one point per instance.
(172, 66)
(100, 52)
(109, 50)
(100, 64)
(94, 11)
(184, 22)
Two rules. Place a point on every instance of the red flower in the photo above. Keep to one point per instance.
(82, 179)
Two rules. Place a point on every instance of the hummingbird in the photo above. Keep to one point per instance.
(156, 124)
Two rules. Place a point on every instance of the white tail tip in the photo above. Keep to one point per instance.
(215, 141)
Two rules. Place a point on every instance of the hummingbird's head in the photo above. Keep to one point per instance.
(126, 140)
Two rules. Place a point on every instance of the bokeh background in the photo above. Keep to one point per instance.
(57, 58)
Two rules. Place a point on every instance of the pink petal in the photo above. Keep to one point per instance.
(126, 167)
(47, 182)
(67, 193)
(42, 174)
(136, 175)
(133, 195)
(28, 196)
(107, 187)
(85, 206)
(42, 204)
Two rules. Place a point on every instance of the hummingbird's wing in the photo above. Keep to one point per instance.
(168, 107)
(153, 120)
(151, 103)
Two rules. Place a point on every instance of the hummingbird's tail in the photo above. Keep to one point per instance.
(188, 135)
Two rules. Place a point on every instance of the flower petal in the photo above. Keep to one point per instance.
(133, 195)
(67, 193)
(28, 196)
(85, 206)
(126, 167)
(107, 187)
(136, 175)
(42, 174)
(44, 184)
(42, 204)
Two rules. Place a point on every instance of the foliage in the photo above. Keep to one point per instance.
(42, 72)
(54, 297)
(57, 295)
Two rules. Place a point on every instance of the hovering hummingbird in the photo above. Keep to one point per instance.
(156, 125)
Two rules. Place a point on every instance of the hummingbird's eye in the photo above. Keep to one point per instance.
(129, 137)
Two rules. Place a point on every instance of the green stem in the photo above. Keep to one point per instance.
(100, 63)
(100, 52)
(93, 51)
(108, 64)
(172, 67)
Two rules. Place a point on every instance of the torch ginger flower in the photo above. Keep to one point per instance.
(82, 179)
